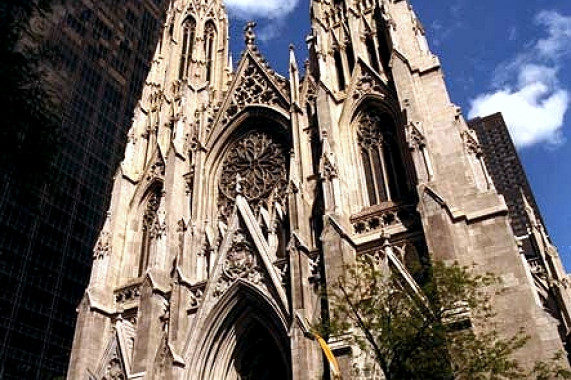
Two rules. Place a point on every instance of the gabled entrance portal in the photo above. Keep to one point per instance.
(246, 339)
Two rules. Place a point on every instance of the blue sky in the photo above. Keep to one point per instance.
(512, 56)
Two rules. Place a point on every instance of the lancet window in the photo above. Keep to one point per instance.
(372, 52)
(209, 48)
(350, 57)
(339, 69)
(385, 47)
(151, 228)
(188, 36)
(379, 156)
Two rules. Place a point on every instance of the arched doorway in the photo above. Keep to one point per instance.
(257, 357)
(245, 339)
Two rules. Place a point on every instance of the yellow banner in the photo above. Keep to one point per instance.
(329, 355)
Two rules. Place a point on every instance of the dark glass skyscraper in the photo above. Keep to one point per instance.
(507, 173)
(105, 48)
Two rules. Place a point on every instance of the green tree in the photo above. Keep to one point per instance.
(425, 332)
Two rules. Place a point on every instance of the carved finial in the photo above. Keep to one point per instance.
(239, 181)
(385, 237)
(249, 34)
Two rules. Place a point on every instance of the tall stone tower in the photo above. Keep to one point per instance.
(242, 193)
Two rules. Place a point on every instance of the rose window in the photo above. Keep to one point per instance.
(256, 166)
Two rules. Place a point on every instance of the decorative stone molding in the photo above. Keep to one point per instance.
(158, 229)
(537, 267)
(189, 181)
(128, 294)
(240, 263)
(417, 142)
(249, 34)
(367, 84)
(380, 217)
(114, 370)
(328, 168)
(103, 246)
(157, 171)
(414, 136)
(196, 296)
(282, 270)
(471, 143)
(314, 262)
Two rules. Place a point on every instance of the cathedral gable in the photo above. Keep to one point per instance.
(255, 84)
(154, 171)
(166, 358)
(196, 7)
(365, 84)
(308, 89)
(366, 81)
(245, 257)
(113, 363)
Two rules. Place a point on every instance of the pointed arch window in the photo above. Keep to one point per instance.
(350, 56)
(151, 228)
(339, 69)
(372, 52)
(384, 43)
(380, 158)
(209, 48)
(188, 36)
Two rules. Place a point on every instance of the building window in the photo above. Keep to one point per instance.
(379, 156)
(257, 164)
(385, 48)
(188, 35)
(209, 48)
(339, 69)
(350, 57)
(151, 228)
(372, 52)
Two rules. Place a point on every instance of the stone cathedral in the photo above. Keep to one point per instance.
(243, 192)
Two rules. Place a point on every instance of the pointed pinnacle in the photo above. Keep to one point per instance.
(249, 34)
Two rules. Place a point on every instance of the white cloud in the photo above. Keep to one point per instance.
(265, 9)
(270, 31)
(527, 89)
(534, 111)
(557, 44)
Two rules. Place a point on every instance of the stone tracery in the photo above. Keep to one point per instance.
(255, 166)
(254, 88)
(152, 228)
(375, 136)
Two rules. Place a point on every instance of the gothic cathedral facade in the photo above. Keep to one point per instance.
(243, 192)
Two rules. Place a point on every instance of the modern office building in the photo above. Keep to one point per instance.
(244, 194)
(509, 178)
(105, 48)
(507, 172)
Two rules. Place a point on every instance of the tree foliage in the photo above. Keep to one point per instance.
(426, 332)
